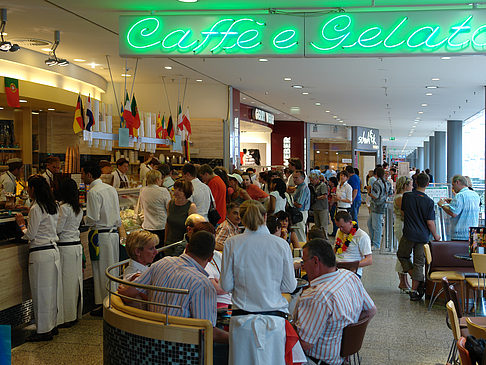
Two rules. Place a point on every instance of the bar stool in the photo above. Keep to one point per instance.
(479, 283)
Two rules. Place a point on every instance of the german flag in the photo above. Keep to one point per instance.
(170, 129)
(78, 124)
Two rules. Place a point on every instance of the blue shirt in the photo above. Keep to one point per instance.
(181, 272)
(302, 196)
(355, 183)
(466, 205)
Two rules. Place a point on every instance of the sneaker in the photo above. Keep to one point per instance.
(415, 296)
(421, 288)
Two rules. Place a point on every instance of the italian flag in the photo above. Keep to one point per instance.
(12, 91)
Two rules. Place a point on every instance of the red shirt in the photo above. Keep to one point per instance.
(218, 188)
(255, 192)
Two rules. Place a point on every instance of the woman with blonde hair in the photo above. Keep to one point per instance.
(257, 268)
(404, 184)
(141, 248)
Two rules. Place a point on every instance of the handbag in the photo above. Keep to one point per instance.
(294, 213)
(213, 214)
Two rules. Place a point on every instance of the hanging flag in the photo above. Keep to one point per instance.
(170, 129)
(186, 122)
(136, 116)
(180, 117)
(127, 115)
(89, 115)
(78, 124)
(158, 127)
(12, 91)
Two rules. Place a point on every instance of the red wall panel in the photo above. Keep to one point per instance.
(296, 131)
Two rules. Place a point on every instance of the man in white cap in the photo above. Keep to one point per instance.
(8, 180)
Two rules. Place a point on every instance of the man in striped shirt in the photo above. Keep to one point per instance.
(335, 299)
(183, 272)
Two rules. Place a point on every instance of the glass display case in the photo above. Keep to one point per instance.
(128, 200)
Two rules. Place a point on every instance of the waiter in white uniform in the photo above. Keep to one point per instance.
(120, 179)
(8, 180)
(257, 268)
(53, 167)
(71, 251)
(44, 261)
(103, 217)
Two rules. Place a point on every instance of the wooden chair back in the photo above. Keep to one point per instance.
(475, 330)
(351, 265)
(479, 261)
(454, 321)
(455, 298)
(428, 254)
(353, 336)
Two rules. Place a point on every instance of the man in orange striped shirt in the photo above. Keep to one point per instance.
(335, 299)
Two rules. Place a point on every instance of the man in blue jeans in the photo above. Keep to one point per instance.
(355, 183)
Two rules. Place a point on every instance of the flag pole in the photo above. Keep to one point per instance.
(184, 95)
(167, 95)
(133, 81)
(111, 77)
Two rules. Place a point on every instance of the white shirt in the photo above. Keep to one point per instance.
(257, 268)
(359, 247)
(279, 202)
(152, 207)
(68, 223)
(8, 184)
(134, 267)
(118, 176)
(344, 192)
(41, 230)
(213, 268)
(49, 176)
(102, 206)
(201, 196)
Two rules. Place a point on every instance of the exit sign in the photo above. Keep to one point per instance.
(392, 138)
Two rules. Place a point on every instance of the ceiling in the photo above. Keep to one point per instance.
(385, 93)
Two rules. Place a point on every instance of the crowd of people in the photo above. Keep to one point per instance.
(230, 239)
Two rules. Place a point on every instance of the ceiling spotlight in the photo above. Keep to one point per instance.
(318, 104)
(445, 58)
(35, 113)
(262, 60)
(53, 60)
(199, 80)
(297, 86)
(168, 67)
(22, 101)
(51, 109)
(126, 75)
(287, 79)
(1, 107)
(328, 111)
(305, 93)
(424, 104)
(428, 94)
(79, 60)
(421, 112)
(6, 46)
(435, 79)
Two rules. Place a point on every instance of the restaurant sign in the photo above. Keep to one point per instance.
(333, 34)
(366, 139)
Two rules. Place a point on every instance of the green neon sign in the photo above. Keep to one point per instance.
(393, 33)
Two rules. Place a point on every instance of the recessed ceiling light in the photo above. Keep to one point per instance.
(328, 111)
(126, 75)
(318, 104)
(341, 121)
(93, 65)
(253, 102)
(244, 98)
(4, 33)
(297, 86)
(445, 58)
(428, 94)
(1, 107)
(318, 151)
(51, 109)
(22, 101)
(435, 79)
(198, 80)
(46, 49)
(334, 116)
(262, 60)
(305, 93)
(425, 104)
(421, 112)
(431, 87)
(79, 60)
(168, 67)
(287, 79)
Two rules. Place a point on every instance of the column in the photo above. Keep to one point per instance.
(440, 157)
(420, 158)
(426, 154)
(454, 148)
(432, 155)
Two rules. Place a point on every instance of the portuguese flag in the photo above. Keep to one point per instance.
(12, 91)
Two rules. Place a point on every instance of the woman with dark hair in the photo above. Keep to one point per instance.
(70, 250)
(236, 192)
(278, 200)
(223, 174)
(258, 305)
(44, 261)
(287, 234)
(178, 209)
(254, 191)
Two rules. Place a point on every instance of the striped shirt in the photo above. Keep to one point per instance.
(332, 302)
(181, 272)
(466, 205)
(224, 231)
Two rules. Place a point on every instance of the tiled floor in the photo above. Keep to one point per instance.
(402, 332)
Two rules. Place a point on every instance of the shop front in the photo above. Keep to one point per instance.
(289, 139)
(366, 149)
(330, 145)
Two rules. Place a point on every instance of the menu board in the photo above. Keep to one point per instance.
(437, 193)
(403, 169)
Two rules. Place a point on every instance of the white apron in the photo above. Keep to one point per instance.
(257, 339)
(72, 281)
(109, 255)
(46, 287)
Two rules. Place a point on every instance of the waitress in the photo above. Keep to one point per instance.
(71, 251)
(257, 267)
(44, 261)
(120, 179)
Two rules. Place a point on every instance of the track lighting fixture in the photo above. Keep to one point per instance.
(53, 60)
(6, 46)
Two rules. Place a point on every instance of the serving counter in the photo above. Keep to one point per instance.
(15, 297)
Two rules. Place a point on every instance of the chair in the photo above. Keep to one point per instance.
(352, 340)
(476, 284)
(436, 277)
(475, 329)
(350, 265)
(456, 331)
(463, 353)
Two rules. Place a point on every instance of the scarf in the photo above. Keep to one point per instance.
(343, 240)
